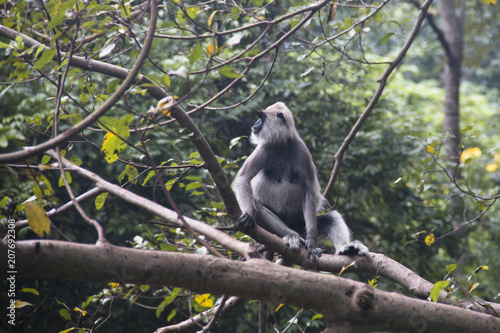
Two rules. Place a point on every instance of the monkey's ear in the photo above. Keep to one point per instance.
(282, 117)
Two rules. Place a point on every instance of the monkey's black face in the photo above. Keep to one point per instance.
(257, 127)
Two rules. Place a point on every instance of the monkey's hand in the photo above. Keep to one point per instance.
(246, 222)
(355, 248)
(293, 241)
(313, 252)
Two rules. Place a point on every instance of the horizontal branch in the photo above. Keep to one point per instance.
(225, 240)
(339, 300)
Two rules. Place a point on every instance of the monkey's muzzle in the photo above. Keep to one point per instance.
(259, 123)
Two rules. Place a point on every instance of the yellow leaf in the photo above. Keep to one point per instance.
(204, 300)
(20, 304)
(431, 150)
(492, 167)
(211, 50)
(470, 153)
(481, 268)
(279, 307)
(429, 239)
(37, 219)
(474, 286)
(346, 267)
(110, 144)
(77, 309)
(210, 19)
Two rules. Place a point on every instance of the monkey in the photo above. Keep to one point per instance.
(277, 187)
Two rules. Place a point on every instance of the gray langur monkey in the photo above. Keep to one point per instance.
(277, 187)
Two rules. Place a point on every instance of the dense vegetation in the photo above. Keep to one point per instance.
(392, 188)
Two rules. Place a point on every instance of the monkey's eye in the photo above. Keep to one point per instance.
(282, 117)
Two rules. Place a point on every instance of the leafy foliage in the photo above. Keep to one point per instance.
(392, 189)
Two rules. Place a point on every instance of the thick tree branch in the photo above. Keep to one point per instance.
(376, 96)
(341, 301)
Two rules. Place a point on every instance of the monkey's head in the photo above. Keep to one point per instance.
(275, 125)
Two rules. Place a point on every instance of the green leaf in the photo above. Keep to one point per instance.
(68, 178)
(450, 268)
(87, 302)
(148, 177)
(192, 11)
(5, 46)
(317, 316)
(192, 186)
(229, 72)
(4, 201)
(108, 122)
(76, 160)
(39, 50)
(171, 315)
(167, 300)
(347, 23)
(58, 16)
(195, 55)
(131, 173)
(45, 159)
(46, 57)
(30, 290)
(65, 314)
(166, 80)
(467, 128)
(386, 38)
(100, 200)
(169, 184)
(436, 290)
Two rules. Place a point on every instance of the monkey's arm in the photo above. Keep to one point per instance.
(310, 207)
(243, 189)
(311, 200)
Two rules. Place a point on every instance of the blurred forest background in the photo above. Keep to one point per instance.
(392, 188)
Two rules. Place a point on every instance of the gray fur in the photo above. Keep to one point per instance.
(278, 188)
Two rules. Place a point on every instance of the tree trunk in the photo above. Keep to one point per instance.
(452, 40)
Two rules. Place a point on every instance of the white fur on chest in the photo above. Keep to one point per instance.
(280, 197)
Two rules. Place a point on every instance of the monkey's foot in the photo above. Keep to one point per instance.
(355, 248)
(314, 253)
(246, 222)
(292, 241)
